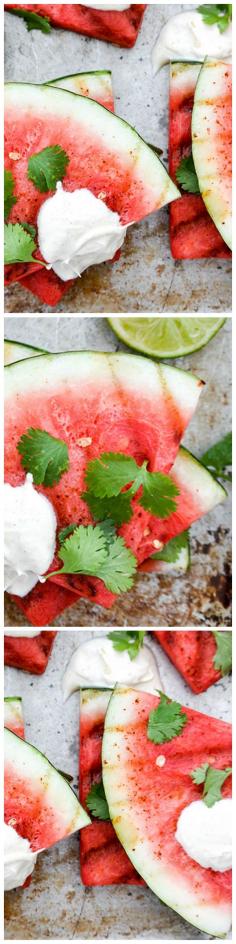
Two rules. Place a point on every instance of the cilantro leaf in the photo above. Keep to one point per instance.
(9, 199)
(43, 455)
(47, 167)
(158, 495)
(219, 13)
(29, 229)
(96, 801)
(131, 641)
(171, 550)
(219, 457)
(223, 656)
(107, 475)
(91, 551)
(18, 245)
(166, 721)
(186, 175)
(32, 20)
(213, 780)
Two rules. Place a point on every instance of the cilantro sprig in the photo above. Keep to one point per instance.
(186, 175)
(32, 20)
(166, 721)
(223, 656)
(96, 801)
(219, 458)
(130, 641)
(47, 167)
(213, 780)
(9, 198)
(18, 245)
(43, 455)
(107, 476)
(219, 13)
(89, 550)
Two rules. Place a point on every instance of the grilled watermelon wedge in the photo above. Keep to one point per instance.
(212, 142)
(14, 351)
(13, 716)
(114, 26)
(105, 155)
(145, 801)
(103, 860)
(38, 799)
(193, 234)
(30, 654)
(193, 654)
(96, 85)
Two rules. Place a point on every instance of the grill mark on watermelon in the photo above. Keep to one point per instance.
(193, 235)
(32, 655)
(192, 654)
(103, 861)
(120, 27)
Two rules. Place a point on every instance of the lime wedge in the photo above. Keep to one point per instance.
(166, 337)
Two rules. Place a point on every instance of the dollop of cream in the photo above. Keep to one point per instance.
(96, 664)
(205, 833)
(19, 860)
(106, 6)
(22, 632)
(185, 37)
(77, 230)
(29, 536)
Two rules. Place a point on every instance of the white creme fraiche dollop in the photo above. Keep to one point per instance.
(205, 833)
(22, 632)
(106, 6)
(29, 536)
(185, 37)
(77, 230)
(19, 860)
(96, 664)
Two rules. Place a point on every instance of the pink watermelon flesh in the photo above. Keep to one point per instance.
(193, 654)
(13, 716)
(145, 802)
(193, 234)
(115, 26)
(124, 404)
(46, 284)
(103, 860)
(32, 655)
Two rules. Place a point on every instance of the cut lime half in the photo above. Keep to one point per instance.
(166, 337)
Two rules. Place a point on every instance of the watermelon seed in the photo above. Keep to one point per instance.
(85, 441)
(14, 155)
(160, 760)
(158, 545)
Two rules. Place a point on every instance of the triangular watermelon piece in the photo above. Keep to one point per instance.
(193, 234)
(114, 26)
(145, 801)
(212, 142)
(38, 799)
(103, 860)
(13, 716)
(106, 156)
(30, 654)
(193, 655)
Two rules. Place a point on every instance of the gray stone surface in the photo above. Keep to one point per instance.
(146, 278)
(203, 595)
(56, 905)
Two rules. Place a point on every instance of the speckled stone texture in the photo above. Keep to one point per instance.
(56, 905)
(145, 278)
(203, 595)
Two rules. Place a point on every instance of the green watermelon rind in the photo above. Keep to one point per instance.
(102, 76)
(116, 134)
(30, 763)
(212, 919)
(15, 351)
(204, 149)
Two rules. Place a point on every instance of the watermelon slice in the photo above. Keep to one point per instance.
(30, 654)
(145, 801)
(14, 351)
(192, 654)
(95, 85)
(103, 861)
(13, 716)
(126, 169)
(121, 403)
(193, 234)
(38, 799)
(113, 26)
(212, 142)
